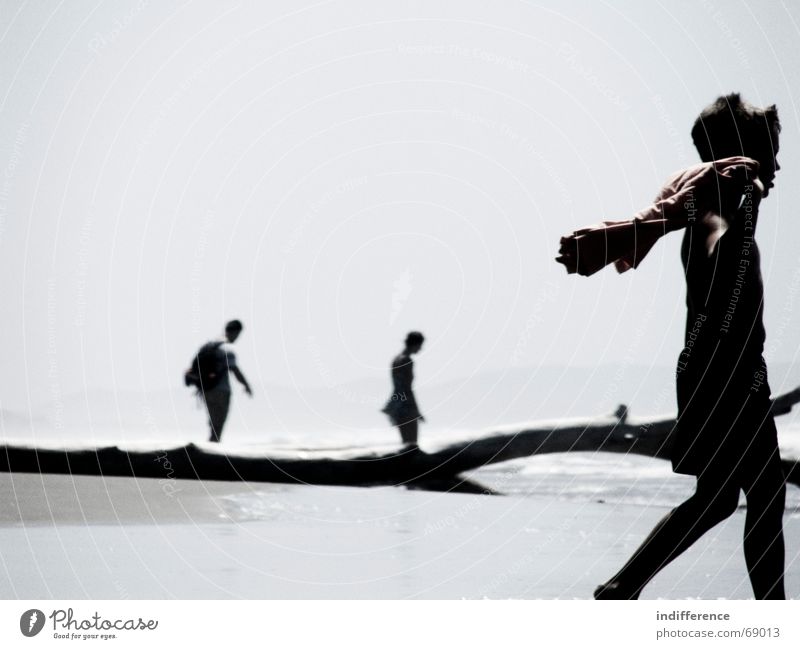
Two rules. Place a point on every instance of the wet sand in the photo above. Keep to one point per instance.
(73, 537)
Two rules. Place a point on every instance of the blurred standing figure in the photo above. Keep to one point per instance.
(209, 374)
(402, 405)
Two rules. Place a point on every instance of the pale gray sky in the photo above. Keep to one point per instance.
(337, 173)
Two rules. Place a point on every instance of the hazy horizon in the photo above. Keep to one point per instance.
(350, 412)
(339, 173)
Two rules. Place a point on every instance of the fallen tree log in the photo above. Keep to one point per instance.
(615, 434)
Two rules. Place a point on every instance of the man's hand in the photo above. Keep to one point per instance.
(240, 377)
(568, 253)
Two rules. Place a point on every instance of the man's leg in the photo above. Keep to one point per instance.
(763, 533)
(711, 503)
(408, 432)
(217, 404)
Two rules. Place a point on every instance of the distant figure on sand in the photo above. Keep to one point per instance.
(209, 374)
(725, 433)
(402, 406)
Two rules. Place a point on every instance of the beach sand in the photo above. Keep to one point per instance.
(72, 537)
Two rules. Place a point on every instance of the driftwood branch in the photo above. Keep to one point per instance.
(617, 434)
(652, 438)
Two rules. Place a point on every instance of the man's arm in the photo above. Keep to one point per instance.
(240, 377)
(710, 187)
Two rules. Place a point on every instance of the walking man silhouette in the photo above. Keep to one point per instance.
(209, 374)
(725, 434)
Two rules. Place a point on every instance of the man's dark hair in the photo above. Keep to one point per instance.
(733, 127)
(414, 337)
(234, 325)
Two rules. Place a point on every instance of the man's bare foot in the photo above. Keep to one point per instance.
(614, 590)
